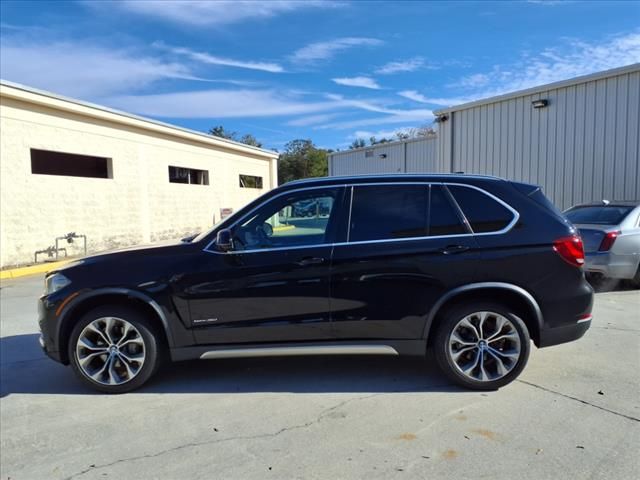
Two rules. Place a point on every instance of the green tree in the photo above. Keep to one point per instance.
(357, 143)
(302, 159)
(247, 139)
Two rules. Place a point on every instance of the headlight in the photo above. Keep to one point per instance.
(55, 282)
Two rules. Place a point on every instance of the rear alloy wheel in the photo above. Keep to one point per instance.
(113, 349)
(482, 346)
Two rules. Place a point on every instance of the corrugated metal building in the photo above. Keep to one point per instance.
(578, 139)
(406, 156)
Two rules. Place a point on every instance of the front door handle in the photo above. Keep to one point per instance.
(452, 249)
(310, 261)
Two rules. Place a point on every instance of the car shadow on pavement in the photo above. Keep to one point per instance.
(24, 369)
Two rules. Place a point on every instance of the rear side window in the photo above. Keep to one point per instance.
(443, 217)
(483, 212)
(383, 212)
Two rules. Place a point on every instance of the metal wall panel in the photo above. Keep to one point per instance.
(414, 156)
(583, 146)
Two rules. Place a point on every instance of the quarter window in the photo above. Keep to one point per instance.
(388, 212)
(483, 212)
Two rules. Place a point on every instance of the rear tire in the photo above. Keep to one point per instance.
(114, 349)
(635, 281)
(481, 346)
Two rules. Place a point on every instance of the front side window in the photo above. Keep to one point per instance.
(484, 213)
(299, 219)
(387, 212)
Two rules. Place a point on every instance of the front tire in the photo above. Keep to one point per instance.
(114, 349)
(481, 346)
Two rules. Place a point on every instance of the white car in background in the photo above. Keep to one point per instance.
(610, 232)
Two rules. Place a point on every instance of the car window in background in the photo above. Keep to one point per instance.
(483, 212)
(598, 215)
(443, 217)
(388, 211)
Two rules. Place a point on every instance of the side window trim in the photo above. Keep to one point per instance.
(348, 191)
(463, 218)
(514, 212)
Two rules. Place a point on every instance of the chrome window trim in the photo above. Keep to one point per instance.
(507, 228)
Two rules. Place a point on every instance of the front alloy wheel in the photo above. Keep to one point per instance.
(110, 350)
(114, 349)
(482, 346)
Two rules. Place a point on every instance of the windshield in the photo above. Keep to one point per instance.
(599, 215)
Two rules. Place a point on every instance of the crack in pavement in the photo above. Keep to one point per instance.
(628, 417)
(322, 414)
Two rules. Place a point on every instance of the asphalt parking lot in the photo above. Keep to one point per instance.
(574, 413)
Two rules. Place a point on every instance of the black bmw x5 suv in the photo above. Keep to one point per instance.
(473, 268)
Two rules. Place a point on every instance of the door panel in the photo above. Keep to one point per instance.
(408, 246)
(386, 290)
(274, 285)
(263, 297)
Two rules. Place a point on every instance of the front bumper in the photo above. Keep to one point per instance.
(47, 323)
(611, 265)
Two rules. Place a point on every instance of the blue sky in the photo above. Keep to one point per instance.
(331, 71)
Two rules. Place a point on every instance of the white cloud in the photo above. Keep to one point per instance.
(206, 58)
(325, 50)
(210, 13)
(364, 82)
(420, 98)
(572, 59)
(82, 70)
(410, 65)
(312, 120)
(416, 116)
(475, 80)
(392, 134)
(219, 103)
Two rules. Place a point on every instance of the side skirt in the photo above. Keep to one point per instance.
(206, 352)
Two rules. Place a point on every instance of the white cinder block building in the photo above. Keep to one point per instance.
(68, 166)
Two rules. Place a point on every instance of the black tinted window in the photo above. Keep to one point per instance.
(603, 215)
(483, 212)
(388, 211)
(443, 218)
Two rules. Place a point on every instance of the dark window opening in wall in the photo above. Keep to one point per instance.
(368, 153)
(188, 175)
(249, 181)
(44, 162)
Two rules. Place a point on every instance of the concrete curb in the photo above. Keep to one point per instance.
(30, 270)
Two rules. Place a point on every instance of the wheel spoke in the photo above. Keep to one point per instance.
(466, 323)
(482, 317)
(469, 368)
(87, 344)
(483, 373)
(511, 355)
(114, 378)
(97, 331)
(456, 355)
(506, 336)
(455, 338)
(131, 341)
(500, 323)
(500, 367)
(109, 324)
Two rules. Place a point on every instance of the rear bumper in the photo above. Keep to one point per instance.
(565, 333)
(611, 265)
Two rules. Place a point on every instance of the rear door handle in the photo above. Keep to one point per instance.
(311, 261)
(452, 249)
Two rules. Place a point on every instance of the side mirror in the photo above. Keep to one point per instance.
(224, 240)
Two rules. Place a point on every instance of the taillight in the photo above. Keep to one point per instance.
(570, 249)
(607, 241)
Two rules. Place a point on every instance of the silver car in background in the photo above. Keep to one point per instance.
(610, 233)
